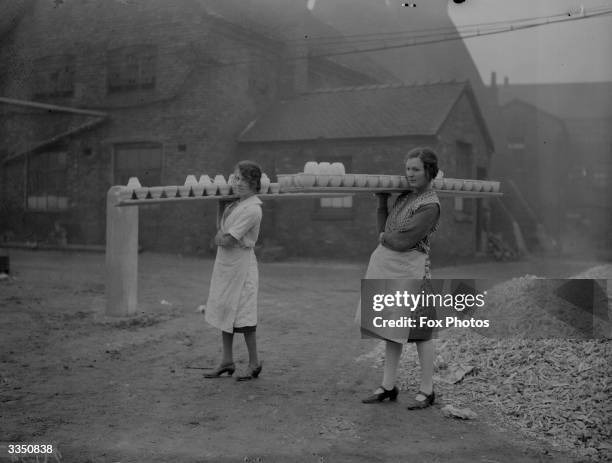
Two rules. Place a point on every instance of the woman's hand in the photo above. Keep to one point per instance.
(220, 239)
(225, 240)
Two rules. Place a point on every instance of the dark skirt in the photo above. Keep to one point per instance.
(245, 329)
(424, 333)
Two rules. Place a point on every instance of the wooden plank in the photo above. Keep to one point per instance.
(144, 202)
(356, 190)
(322, 192)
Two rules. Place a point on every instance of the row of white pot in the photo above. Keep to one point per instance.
(185, 191)
(304, 180)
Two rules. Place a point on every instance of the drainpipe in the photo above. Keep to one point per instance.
(51, 107)
(100, 118)
(56, 138)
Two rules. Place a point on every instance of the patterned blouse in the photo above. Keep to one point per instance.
(402, 215)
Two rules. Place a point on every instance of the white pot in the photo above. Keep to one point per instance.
(372, 181)
(305, 180)
(133, 182)
(211, 189)
(337, 168)
(323, 180)
(384, 181)
(311, 167)
(348, 180)
(225, 189)
(324, 168)
(265, 184)
(361, 180)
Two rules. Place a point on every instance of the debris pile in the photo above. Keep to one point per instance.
(556, 390)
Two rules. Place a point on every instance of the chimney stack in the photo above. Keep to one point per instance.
(493, 90)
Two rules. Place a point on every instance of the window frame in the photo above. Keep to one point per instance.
(42, 171)
(135, 170)
(131, 69)
(63, 67)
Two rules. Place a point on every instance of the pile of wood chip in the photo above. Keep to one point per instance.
(556, 390)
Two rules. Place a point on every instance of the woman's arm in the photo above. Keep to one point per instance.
(225, 240)
(383, 211)
(419, 226)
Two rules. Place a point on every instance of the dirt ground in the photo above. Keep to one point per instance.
(105, 389)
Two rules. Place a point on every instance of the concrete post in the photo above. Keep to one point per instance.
(121, 256)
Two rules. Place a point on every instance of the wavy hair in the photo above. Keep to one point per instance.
(428, 157)
(251, 172)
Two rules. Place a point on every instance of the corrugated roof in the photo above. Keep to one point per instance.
(358, 112)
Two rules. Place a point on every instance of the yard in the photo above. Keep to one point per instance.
(104, 389)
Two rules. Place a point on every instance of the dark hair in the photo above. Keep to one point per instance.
(251, 172)
(428, 157)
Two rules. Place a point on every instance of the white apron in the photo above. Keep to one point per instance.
(232, 300)
(387, 264)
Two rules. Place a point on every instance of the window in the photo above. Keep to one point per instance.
(601, 179)
(516, 150)
(259, 75)
(142, 160)
(47, 181)
(131, 68)
(340, 207)
(54, 76)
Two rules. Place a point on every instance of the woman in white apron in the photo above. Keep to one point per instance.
(403, 253)
(232, 299)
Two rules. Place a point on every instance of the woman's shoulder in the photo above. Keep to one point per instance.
(429, 197)
(253, 206)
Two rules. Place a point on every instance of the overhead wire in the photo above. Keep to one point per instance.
(410, 39)
(357, 39)
(454, 34)
(372, 42)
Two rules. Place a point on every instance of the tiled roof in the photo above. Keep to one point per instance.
(564, 100)
(358, 112)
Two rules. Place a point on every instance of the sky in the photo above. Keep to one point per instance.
(574, 51)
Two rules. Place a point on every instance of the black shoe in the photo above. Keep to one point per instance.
(416, 404)
(380, 396)
(228, 368)
(251, 373)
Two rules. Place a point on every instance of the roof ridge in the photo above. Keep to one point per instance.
(382, 86)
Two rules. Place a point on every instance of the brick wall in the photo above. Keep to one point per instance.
(196, 111)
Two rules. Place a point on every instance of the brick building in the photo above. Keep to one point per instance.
(168, 86)
(555, 144)
(532, 161)
(370, 129)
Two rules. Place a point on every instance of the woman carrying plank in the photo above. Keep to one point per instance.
(232, 299)
(403, 253)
